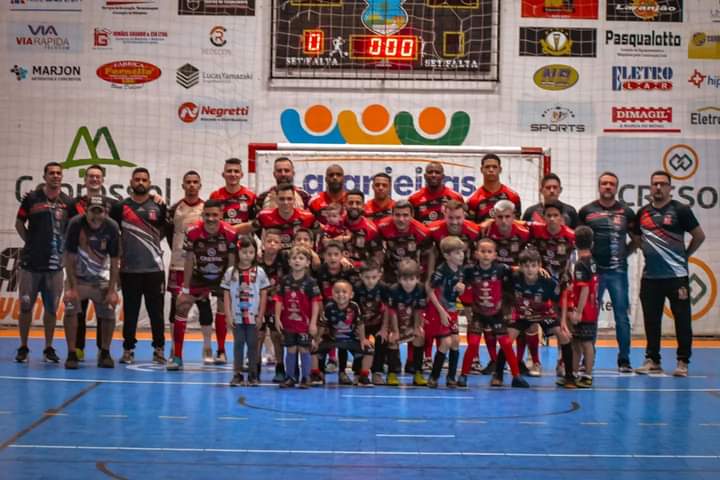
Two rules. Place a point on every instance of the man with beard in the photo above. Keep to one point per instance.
(334, 192)
(143, 224)
(491, 191)
(283, 172)
(428, 201)
(550, 189)
(380, 206)
(364, 243)
(404, 237)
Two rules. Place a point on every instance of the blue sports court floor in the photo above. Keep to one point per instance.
(144, 422)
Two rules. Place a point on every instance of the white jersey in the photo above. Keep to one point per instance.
(183, 216)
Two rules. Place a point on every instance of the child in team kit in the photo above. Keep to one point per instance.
(335, 227)
(488, 281)
(582, 305)
(407, 300)
(297, 307)
(245, 293)
(342, 328)
(305, 238)
(445, 284)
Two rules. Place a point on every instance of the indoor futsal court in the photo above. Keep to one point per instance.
(143, 422)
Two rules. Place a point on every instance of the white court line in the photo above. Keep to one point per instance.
(410, 420)
(652, 424)
(172, 417)
(412, 397)
(461, 397)
(5, 412)
(594, 424)
(532, 423)
(114, 416)
(710, 424)
(472, 421)
(53, 414)
(232, 418)
(358, 420)
(364, 452)
(289, 419)
(408, 435)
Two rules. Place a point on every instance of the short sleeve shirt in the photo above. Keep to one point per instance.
(245, 287)
(610, 226)
(405, 304)
(93, 248)
(297, 298)
(343, 323)
(534, 301)
(488, 286)
(46, 224)
(444, 280)
(211, 253)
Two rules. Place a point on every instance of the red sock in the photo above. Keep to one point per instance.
(178, 335)
(506, 345)
(470, 353)
(332, 354)
(491, 344)
(533, 344)
(220, 331)
(410, 353)
(520, 342)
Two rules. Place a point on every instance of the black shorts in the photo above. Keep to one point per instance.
(292, 339)
(269, 325)
(372, 330)
(351, 345)
(479, 322)
(585, 332)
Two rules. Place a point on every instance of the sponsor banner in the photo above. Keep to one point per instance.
(130, 7)
(645, 10)
(558, 42)
(128, 74)
(216, 7)
(690, 163)
(46, 5)
(208, 112)
(189, 75)
(218, 42)
(45, 37)
(703, 79)
(653, 44)
(641, 119)
(556, 77)
(636, 77)
(562, 118)
(46, 73)
(106, 38)
(560, 9)
(704, 45)
(704, 117)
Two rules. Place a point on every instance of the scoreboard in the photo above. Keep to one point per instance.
(399, 40)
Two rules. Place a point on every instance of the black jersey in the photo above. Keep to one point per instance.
(342, 323)
(489, 287)
(372, 303)
(610, 228)
(46, 224)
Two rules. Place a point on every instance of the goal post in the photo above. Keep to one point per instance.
(522, 167)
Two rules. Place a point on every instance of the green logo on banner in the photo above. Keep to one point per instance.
(92, 143)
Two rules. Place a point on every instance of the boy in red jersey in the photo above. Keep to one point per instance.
(428, 201)
(491, 191)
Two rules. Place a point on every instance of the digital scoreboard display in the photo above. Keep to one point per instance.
(385, 39)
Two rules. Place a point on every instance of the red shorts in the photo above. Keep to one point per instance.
(437, 329)
(467, 297)
(176, 278)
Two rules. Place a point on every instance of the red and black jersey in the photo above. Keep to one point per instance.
(555, 249)
(510, 246)
(584, 274)
(469, 233)
(482, 201)
(268, 198)
(364, 241)
(534, 302)
(489, 287)
(319, 203)
(376, 212)
(330, 232)
(211, 253)
(404, 305)
(271, 219)
(143, 226)
(443, 281)
(342, 324)
(405, 244)
(372, 304)
(47, 221)
(326, 279)
(535, 214)
(297, 298)
(428, 204)
(274, 271)
(238, 207)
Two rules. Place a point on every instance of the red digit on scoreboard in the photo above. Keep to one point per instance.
(313, 41)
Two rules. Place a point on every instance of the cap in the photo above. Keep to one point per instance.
(95, 201)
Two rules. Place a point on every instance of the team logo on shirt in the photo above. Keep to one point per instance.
(667, 220)
(211, 252)
(152, 215)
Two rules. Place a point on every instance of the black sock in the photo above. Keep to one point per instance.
(280, 369)
(567, 357)
(342, 359)
(453, 363)
(394, 364)
(418, 353)
(378, 364)
(437, 365)
(500, 364)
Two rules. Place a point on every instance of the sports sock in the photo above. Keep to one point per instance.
(453, 363)
(470, 353)
(520, 342)
(394, 364)
(178, 335)
(291, 363)
(509, 355)
(342, 359)
(410, 353)
(437, 364)
(417, 358)
(491, 344)
(332, 354)
(305, 357)
(533, 344)
(500, 364)
(567, 356)
(220, 331)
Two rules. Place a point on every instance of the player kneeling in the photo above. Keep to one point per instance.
(342, 329)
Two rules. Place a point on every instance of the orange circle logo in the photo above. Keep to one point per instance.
(681, 161)
(703, 289)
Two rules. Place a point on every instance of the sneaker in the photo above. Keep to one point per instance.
(128, 357)
(344, 379)
(584, 381)
(174, 364)
(489, 368)
(237, 380)
(49, 355)
(566, 383)
(377, 379)
(409, 369)
(331, 366)
(220, 358)
(304, 383)
(649, 367)
(560, 369)
(208, 356)
(316, 379)
(364, 381)
(253, 381)
(72, 362)
(419, 380)
(496, 381)
(625, 368)
(288, 383)
(535, 370)
(523, 368)
(80, 354)
(681, 370)
(462, 381)
(476, 367)
(279, 374)
(450, 382)
(105, 360)
(22, 354)
(159, 356)
(392, 380)
(520, 382)
(427, 363)
(432, 382)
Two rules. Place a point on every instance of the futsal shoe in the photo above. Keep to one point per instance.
(535, 370)
(409, 369)
(72, 362)
(288, 383)
(364, 381)
(279, 374)
(220, 358)
(520, 382)
(208, 356)
(128, 357)
(377, 379)
(174, 364)
(432, 382)
(427, 363)
(317, 380)
(253, 381)
(159, 356)
(304, 383)
(392, 380)
(237, 380)
(344, 379)
(419, 380)
(476, 367)
(49, 355)
(567, 383)
(496, 381)
(489, 368)
(625, 368)
(105, 360)
(80, 354)
(523, 368)
(681, 370)
(462, 381)
(332, 366)
(450, 382)
(22, 355)
(584, 381)
(649, 367)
